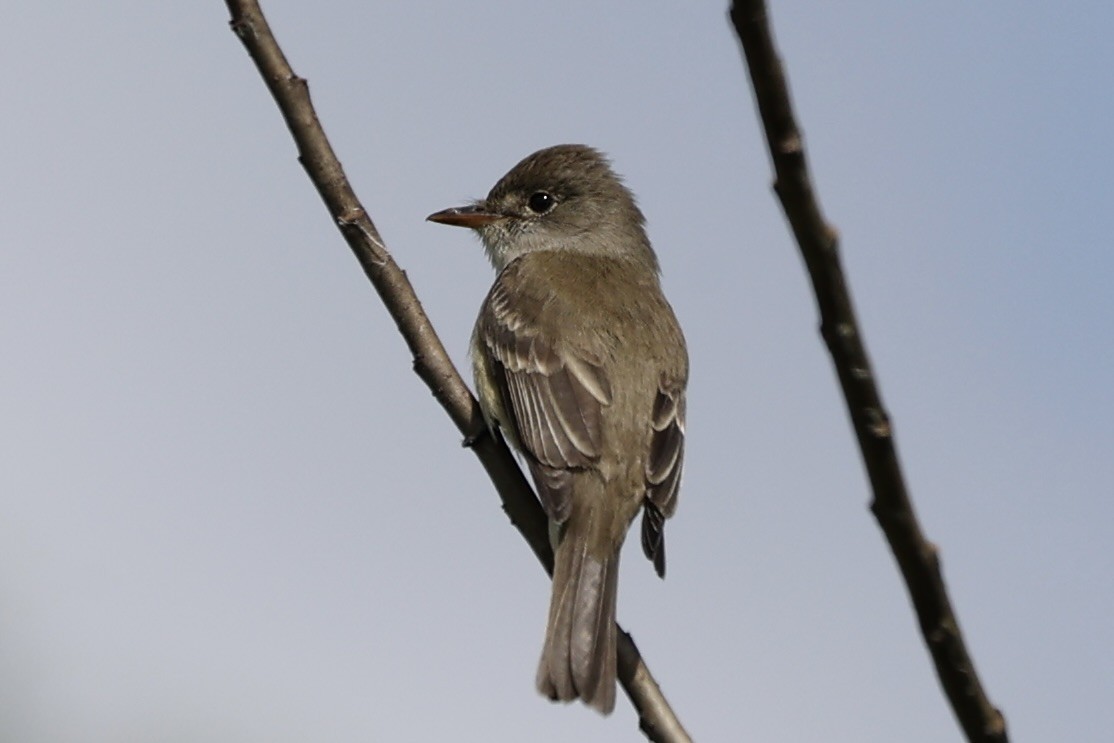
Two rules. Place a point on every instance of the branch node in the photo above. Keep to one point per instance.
(351, 216)
(790, 145)
(878, 421)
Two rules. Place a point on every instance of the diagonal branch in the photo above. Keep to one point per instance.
(431, 362)
(917, 558)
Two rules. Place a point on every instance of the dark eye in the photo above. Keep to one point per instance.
(541, 202)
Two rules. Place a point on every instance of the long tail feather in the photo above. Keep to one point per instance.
(578, 659)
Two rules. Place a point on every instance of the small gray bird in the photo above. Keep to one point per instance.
(580, 362)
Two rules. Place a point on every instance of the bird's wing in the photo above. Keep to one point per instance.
(552, 397)
(663, 468)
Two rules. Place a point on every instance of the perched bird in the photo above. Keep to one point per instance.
(580, 362)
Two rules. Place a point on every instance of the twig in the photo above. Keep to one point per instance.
(917, 558)
(431, 362)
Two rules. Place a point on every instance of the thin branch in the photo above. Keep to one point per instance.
(431, 362)
(917, 558)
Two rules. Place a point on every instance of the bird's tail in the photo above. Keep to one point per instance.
(578, 659)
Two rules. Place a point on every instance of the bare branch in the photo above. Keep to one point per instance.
(917, 558)
(431, 362)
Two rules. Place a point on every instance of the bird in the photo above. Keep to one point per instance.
(580, 363)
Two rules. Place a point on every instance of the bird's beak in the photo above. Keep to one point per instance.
(472, 216)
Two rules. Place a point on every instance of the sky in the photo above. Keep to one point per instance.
(229, 511)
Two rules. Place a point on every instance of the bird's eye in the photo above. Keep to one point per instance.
(541, 202)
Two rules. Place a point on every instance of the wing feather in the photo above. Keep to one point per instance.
(663, 469)
(553, 398)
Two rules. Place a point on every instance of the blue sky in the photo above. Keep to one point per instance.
(230, 512)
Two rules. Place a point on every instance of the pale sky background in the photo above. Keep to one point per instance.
(229, 512)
